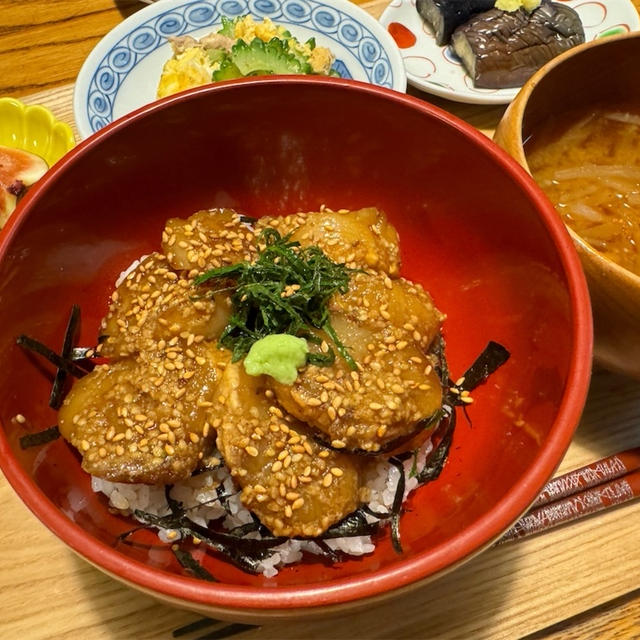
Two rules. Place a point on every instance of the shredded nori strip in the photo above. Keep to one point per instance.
(174, 506)
(493, 356)
(245, 553)
(223, 497)
(435, 461)
(191, 564)
(355, 524)
(123, 536)
(441, 366)
(396, 507)
(329, 553)
(248, 219)
(381, 515)
(39, 437)
(243, 529)
(70, 337)
(65, 364)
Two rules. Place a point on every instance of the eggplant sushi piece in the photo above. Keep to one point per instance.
(502, 49)
(445, 16)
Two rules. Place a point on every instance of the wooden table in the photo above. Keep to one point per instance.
(576, 582)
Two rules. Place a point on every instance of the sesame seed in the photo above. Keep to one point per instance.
(327, 480)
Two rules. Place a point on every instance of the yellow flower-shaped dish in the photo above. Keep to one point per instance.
(35, 129)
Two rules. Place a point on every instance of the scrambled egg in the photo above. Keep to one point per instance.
(247, 29)
(185, 70)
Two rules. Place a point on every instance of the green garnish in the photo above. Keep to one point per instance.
(286, 290)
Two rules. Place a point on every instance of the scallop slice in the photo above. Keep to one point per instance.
(207, 240)
(398, 307)
(387, 326)
(145, 419)
(154, 305)
(370, 410)
(360, 239)
(294, 485)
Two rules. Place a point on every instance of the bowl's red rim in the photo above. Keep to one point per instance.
(402, 573)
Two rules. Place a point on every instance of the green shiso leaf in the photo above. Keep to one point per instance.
(286, 290)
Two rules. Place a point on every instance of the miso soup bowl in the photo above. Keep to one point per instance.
(474, 230)
(597, 71)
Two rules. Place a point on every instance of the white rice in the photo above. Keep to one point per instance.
(199, 497)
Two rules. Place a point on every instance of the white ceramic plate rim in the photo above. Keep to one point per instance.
(118, 38)
(439, 83)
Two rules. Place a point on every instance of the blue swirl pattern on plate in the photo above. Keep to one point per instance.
(147, 37)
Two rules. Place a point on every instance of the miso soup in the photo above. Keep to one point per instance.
(588, 163)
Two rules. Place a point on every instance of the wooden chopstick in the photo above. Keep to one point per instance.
(597, 486)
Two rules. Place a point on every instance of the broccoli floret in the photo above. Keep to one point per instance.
(266, 57)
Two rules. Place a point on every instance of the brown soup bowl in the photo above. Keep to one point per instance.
(603, 70)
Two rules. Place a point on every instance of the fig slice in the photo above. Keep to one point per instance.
(18, 170)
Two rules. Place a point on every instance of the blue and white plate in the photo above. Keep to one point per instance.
(122, 72)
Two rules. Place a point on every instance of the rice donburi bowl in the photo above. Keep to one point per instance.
(521, 418)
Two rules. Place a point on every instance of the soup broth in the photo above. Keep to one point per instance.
(588, 163)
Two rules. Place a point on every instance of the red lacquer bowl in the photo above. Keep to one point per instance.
(474, 230)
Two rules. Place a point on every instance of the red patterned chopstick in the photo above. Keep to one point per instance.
(591, 475)
(592, 488)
